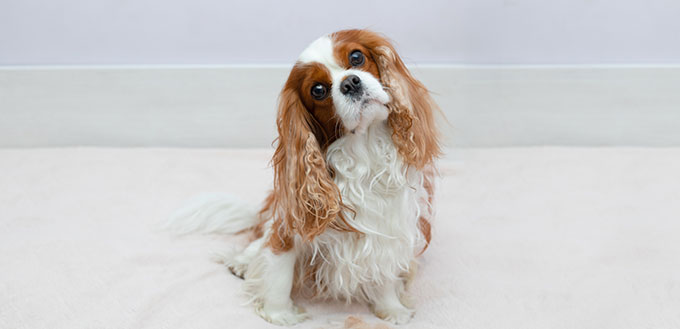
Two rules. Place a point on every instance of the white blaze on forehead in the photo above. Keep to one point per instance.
(321, 51)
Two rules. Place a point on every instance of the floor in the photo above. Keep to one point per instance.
(524, 238)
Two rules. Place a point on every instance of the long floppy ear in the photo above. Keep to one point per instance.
(305, 199)
(412, 108)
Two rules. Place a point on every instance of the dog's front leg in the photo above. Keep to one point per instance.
(388, 306)
(270, 280)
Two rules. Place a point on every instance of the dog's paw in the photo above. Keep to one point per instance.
(407, 300)
(233, 262)
(395, 315)
(282, 316)
(237, 269)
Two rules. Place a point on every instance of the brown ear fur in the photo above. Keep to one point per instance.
(411, 108)
(305, 200)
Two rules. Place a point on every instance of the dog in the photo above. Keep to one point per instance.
(354, 181)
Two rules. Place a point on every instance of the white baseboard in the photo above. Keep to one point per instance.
(234, 106)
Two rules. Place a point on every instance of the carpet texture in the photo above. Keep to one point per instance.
(524, 238)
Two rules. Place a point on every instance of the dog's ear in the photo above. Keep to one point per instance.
(412, 109)
(305, 198)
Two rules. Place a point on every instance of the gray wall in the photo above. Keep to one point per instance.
(237, 32)
(235, 106)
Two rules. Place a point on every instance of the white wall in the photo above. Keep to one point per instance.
(438, 31)
(235, 106)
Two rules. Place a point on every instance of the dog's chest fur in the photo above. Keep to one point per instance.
(387, 197)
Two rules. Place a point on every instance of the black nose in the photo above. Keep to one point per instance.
(351, 85)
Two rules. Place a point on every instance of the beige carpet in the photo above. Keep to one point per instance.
(525, 238)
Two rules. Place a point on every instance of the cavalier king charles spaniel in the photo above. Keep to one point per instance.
(354, 176)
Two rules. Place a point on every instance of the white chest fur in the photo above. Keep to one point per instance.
(385, 195)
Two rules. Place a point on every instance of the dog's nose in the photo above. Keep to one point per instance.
(351, 85)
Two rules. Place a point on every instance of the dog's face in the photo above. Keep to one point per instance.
(341, 84)
(338, 82)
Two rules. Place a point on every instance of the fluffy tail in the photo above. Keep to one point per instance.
(213, 213)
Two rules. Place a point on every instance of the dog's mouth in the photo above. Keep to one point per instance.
(370, 102)
(370, 110)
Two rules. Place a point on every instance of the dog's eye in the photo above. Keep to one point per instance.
(356, 58)
(319, 91)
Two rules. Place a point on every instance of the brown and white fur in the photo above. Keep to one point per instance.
(353, 184)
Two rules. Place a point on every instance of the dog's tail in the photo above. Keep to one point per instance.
(213, 213)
